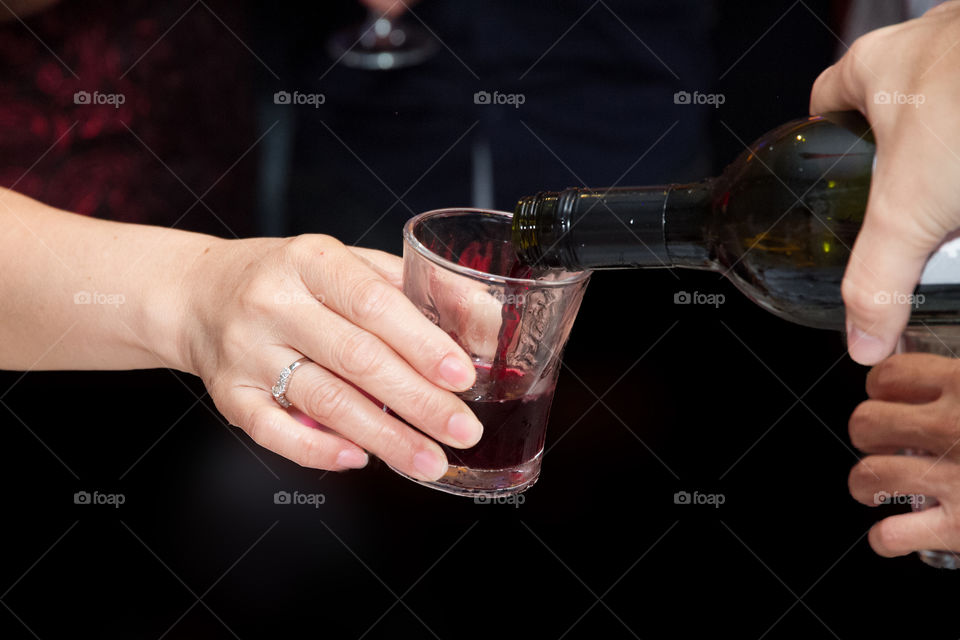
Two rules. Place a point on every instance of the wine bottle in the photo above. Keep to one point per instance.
(779, 223)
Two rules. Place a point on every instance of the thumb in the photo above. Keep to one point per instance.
(885, 265)
(838, 88)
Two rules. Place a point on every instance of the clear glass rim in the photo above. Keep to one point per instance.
(410, 239)
(933, 331)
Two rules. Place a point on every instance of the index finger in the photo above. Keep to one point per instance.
(389, 266)
(913, 378)
(356, 291)
(843, 85)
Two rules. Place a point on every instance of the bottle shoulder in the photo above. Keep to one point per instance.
(786, 214)
(804, 151)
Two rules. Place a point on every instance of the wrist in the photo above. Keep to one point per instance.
(169, 314)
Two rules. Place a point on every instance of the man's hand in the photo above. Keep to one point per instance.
(914, 404)
(905, 79)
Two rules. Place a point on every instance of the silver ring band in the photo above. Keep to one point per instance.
(283, 381)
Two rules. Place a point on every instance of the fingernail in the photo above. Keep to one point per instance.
(352, 459)
(430, 466)
(865, 348)
(465, 429)
(455, 372)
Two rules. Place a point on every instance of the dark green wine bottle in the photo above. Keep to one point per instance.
(779, 223)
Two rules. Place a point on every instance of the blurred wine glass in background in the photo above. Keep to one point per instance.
(381, 43)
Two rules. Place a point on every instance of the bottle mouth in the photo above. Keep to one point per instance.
(427, 224)
(523, 232)
(537, 230)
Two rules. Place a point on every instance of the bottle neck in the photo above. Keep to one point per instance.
(634, 227)
(688, 219)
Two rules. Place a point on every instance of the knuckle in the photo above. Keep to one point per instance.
(861, 476)
(312, 452)
(921, 433)
(946, 430)
(887, 222)
(952, 384)
(309, 245)
(426, 406)
(370, 299)
(430, 349)
(862, 46)
(328, 401)
(885, 371)
(884, 375)
(235, 416)
(260, 423)
(848, 73)
(258, 290)
(858, 298)
(941, 425)
(861, 422)
(873, 46)
(234, 341)
(297, 247)
(852, 64)
(359, 354)
(380, 438)
(292, 245)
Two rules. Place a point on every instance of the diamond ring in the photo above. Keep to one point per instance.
(283, 381)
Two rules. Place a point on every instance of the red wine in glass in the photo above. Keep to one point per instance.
(514, 421)
(481, 256)
(514, 424)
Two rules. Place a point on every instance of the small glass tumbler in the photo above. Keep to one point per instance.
(460, 270)
(941, 340)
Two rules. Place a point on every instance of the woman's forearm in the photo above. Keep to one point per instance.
(83, 293)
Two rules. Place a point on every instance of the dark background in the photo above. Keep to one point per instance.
(728, 400)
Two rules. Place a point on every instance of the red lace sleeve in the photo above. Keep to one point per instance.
(164, 116)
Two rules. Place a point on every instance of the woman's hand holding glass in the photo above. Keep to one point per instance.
(261, 304)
